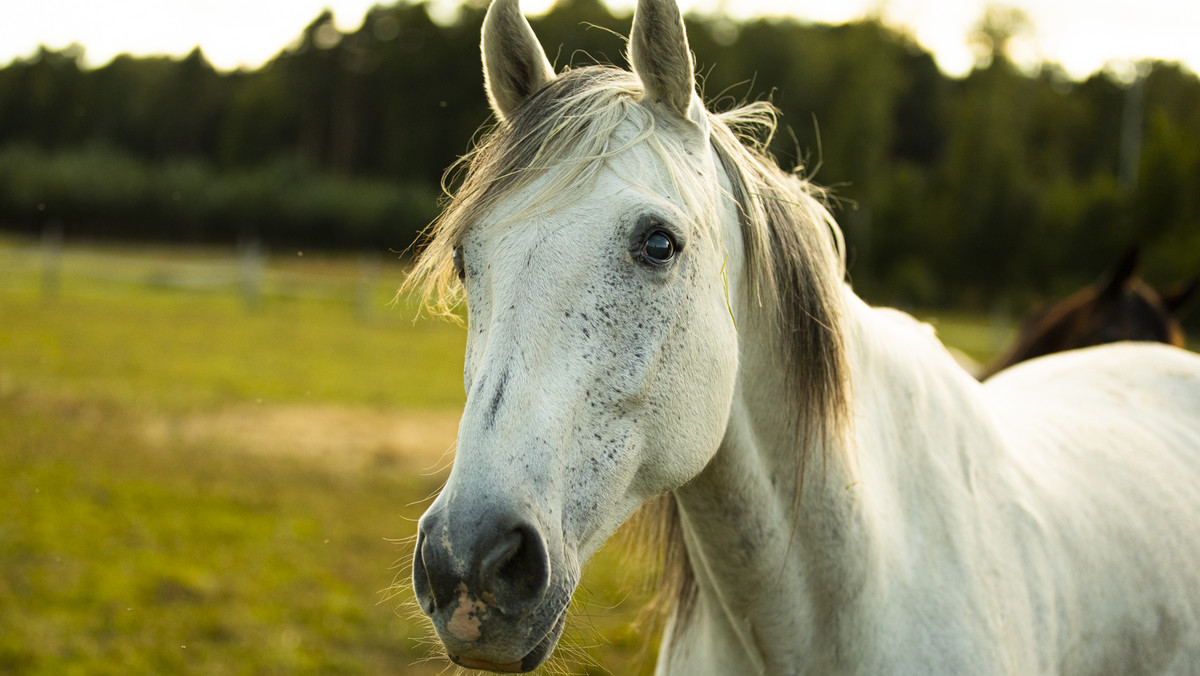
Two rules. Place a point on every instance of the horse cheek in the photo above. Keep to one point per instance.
(698, 397)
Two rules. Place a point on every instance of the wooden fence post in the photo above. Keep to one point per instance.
(368, 277)
(52, 244)
(250, 276)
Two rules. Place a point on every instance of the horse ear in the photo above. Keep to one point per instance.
(659, 54)
(514, 64)
(1113, 282)
(1178, 296)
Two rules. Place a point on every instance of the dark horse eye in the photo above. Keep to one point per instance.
(457, 258)
(658, 248)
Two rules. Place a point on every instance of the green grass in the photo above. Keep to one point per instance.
(131, 342)
(117, 556)
(144, 532)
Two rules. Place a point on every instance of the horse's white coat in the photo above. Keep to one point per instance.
(1046, 522)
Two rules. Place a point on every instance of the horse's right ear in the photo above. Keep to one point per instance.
(1177, 298)
(659, 54)
(514, 64)
(1113, 282)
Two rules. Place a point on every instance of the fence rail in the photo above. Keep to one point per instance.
(246, 270)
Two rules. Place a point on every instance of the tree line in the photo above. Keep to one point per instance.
(1002, 183)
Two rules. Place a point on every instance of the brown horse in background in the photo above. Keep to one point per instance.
(1118, 306)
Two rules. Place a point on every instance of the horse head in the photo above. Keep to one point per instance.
(601, 355)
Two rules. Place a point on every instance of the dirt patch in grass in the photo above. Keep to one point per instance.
(340, 437)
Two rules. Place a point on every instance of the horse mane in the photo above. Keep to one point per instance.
(794, 261)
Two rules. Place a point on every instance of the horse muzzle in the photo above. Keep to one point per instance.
(488, 584)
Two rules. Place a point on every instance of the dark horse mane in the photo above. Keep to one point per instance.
(1118, 306)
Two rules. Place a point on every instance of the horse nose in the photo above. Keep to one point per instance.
(506, 564)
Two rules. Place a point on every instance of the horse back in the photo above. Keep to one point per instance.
(1103, 484)
(1145, 386)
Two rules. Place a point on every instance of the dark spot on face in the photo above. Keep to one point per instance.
(497, 399)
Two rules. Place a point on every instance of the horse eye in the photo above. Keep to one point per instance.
(658, 248)
(459, 268)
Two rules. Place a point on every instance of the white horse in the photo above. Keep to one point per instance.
(654, 307)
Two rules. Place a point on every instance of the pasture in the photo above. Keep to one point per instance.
(198, 479)
(191, 484)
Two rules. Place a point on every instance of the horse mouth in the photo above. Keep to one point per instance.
(532, 660)
(507, 668)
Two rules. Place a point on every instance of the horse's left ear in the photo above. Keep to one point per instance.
(1115, 280)
(1177, 298)
(659, 54)
(514, 63)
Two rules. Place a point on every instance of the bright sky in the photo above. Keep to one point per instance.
(1082, 35)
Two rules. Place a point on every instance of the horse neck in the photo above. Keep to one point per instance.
(780, 577)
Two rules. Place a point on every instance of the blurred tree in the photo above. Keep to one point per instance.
(950, 190)
(991, 38)
(310, 73)
(186, 105)
(40, 98)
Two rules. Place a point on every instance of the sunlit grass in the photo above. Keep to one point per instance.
(146, 343)
(118, 556)
(157, 515)
(122, 556)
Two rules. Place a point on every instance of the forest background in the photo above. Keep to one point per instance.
(999, 187)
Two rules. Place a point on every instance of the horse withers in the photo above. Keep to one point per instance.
(653, 307)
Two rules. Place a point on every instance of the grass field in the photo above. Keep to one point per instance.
(192, 482)
(197, 476)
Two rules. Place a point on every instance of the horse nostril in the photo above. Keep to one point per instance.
(420, 576)
(422, 584)
(515, 570)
